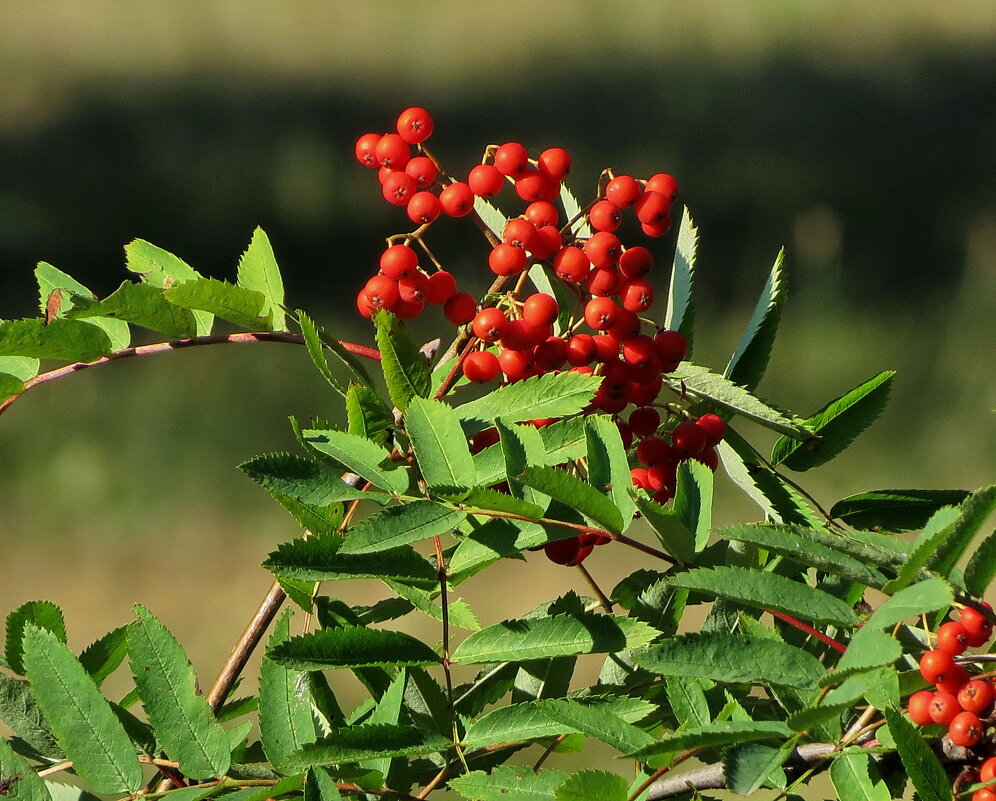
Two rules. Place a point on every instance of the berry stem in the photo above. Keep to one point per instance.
(603, 599)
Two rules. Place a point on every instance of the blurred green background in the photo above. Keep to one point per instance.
(859, 136)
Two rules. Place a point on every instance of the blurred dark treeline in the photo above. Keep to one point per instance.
(871, 180)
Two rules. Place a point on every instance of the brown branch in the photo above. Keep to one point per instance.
(819, 635)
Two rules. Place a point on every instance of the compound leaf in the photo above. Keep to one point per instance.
(304, 480)
(139, 304)
(593, 785)
(574, 493)
(101, 658)
(85, 726)
(922, 765)
(852, 778)
(608, 467)
(508, 783)
(367, 415)
(55, 289)
(162, 269)
(316, 350)
(720, 732)
(184, 723)
(746, 767)
(693, 500)
(837, 425)
(361, 743)
(352, 647)
(258, 271)
(603, 726)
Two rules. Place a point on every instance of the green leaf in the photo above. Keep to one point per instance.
(720, 732)
(807, 719)
(243, 307)
(853, 779)
(608, 467)
(981, 568)
(608, 728)
(545, 281)
(316, 350)
(69, 340)
(258, 271)
(768, 591)
(440, 445)
(304, 480)
(406, 370)
(702, 384)
(490, 215)
(880, 686)
(920, 598)
(352, 647)
(367, 415)
(50, 279)
(21, 783)
(361, 743)
(45, 615)
(868, 648)
(101, 658)
(68, 792)
(22, 367)
(318, 559)
(732, 659)
(9, 385)
(318, 786)
(162, 269)
(572, 211)
(688, 701)
(547, 395)
(20, 711)
(805, 546)
(508, 783)
(748, 363)
(524, 722)
(574, 493)
(671, 531)
(747, 766)
(400, 525)
(489, 500)
(184, 723)
(460, 613)
(837, 424)
(285, 721)
(894, 510)
(521, 446)
(938, 530)
(84, 725)
(973, 513)
(362, 456)
(139, 304)
(680, 315)
(558, 635)
(922, 766)
(593, 785)
(693, 500)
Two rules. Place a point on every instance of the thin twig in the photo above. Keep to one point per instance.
(603, 599)
(819, 635)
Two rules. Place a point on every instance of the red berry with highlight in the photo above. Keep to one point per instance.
(457, 199)
(398, 188)
(392, 151)
(966, 729)
(978, 627)
(515, 364)
(489, 323)
(605, 215)
(519, 232)
(952, 637)
(664, 184)
(547, 241)
(603, 249)
(637, 295)
(935, 666)
(423, 170)
(481, 366)
(540, 309)
(554, 163)
(672, 347)
(581, 349)
(511, 159)
(571, 264)
(918, 707)
(424, 208)
(414, 125)
(532, 185)
(687, 440)
(987, 771)
(601, 313)
(541, 213)
(507, 260)
(412, 287)
(382, 292)
(484, 180)
(652, 208)
(714, 428)
(944, 708)
(976, 696)
(635, 262)
(623, 190)
(398, 261)
(366, 150)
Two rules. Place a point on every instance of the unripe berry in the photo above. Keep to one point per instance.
(489, 323)
(481, 366)
(423, 170)
(392, 151)
(414, 125)
(366, 150)
(457, 199)
(601, 313)
(554, 163)
(511, 159)
(540, 309)
(623, 190)
(484, 180)
(440, 288)
(460, 308)
(424, 208)
(398, 261)
(918, 707)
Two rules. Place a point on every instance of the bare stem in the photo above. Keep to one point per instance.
(819, 635)
(603, 599)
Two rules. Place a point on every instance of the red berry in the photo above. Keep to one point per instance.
(639, 351)
(541, 213)
(952, 637)
(424, 208)
(515, 364)
(623, 190)
(664, 495)
(603, 249)
(687, 439)
(569, 552)
(714, 427)
(489, 323)
(637, 295)
(601, 313)
(943, 708)
(605, 216)
(398, 261)
(662, 475)
(954, 680)
(511, 159)
(366, 147)
(440, 288)
(519, 232)
(414, 125)
(382, 292)
(507, 260)
(984, 794)
(580, 349)
(483, 439)
(550, 354)
(987, 771)
(672, 347)
(481, 366)
(664, 184)
(457, 199)
(652, 208)
(638, 475)
(709, 457)
(644, 421)
(405, 309)
(976, 696)
(966, 729)
(554, 163)
(606, 348)
(602, 282)
(484, 180)
(392, 151)
(540, 309)
(625, 433)
(645, 392)
(635, 262)
(363, 304)
(412, 288)
(520, 335)
(935, 666)
(571, 264)
(978, 627)
(423, 170)
(546, 242)
(918, 707)
(460, 308)
(658, 229)
(653, 451)
(626, 327)
(398, 188)
(532, 185)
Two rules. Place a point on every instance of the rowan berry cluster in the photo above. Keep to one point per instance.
(595, 327)
(962, 702)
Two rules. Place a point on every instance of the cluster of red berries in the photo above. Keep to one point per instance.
(963, 703)
(513, 337)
